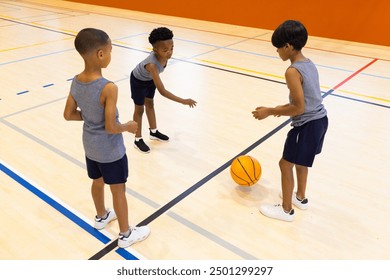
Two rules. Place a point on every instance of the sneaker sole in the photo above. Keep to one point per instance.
(135, 146)
(158, 139)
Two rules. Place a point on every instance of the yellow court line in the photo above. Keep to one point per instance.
(202, 60)
(364, 95)
(280, 77)
(33, 45)
(39, 25)
(239, 68)
(72, 32)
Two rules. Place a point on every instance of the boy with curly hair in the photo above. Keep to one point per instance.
(144, 80)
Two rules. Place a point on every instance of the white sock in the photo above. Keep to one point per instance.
(153, 130)
(138, 138)
(127, 233)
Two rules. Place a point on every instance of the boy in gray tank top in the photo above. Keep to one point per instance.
(308, 115)
(92, 99)
(145, 78)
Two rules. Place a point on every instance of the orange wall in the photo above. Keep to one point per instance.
(365, 21)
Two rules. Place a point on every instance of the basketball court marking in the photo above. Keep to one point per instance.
(202, 30)
(72, 34)
(82, 12)
(65, 210)
(359, 100)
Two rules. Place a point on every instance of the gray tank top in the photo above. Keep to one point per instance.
(98, 144)
(314, 109)
(141, 73)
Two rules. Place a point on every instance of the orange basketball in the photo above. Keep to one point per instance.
(245, 170)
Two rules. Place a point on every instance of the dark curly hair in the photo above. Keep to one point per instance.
(90, 39)
(160, 34)
(290, 32)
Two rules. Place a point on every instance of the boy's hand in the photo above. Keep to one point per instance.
(189, 102)
(260, 113)
(132, 127)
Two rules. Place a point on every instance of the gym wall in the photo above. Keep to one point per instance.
(351, 20)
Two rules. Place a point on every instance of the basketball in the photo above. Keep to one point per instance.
(245, 170)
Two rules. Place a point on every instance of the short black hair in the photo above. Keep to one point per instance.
(160, 34)
(90, 39)
(290, 32)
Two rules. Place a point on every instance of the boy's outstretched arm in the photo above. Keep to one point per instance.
(160, 87)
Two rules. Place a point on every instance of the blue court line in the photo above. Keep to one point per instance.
(48, 85)
(359, 100)
(22, 92)
(275, 57)
(64, 211)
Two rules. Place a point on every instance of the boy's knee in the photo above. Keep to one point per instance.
(139, 110)
(284, 164)
(149, 103)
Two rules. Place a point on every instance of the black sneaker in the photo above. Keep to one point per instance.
(158, 136)
(141, 146)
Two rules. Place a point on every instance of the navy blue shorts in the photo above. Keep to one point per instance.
(304, 142)
(141, 90)
(113, 172)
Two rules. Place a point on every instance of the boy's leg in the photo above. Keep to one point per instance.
(283, 212)
(120, 205)
(139, 144)
(97, 191)
(150, 113)
(286, 169)
(302, 173)
(137, 117)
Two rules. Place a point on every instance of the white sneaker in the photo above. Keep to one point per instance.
(276, 212)
(301, 204)
(137, 234)
(101, 223)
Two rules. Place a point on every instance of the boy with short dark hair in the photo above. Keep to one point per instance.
(93, 99)
(308, 115)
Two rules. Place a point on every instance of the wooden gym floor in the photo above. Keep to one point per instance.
(183, 189)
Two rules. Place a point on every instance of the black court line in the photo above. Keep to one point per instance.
(196, 186)
(39, 27)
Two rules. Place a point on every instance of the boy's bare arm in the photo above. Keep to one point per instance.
(109, 98)
(71, 113)
(295, 107)
(164, 92)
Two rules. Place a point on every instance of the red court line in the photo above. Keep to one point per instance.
(354, 74)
